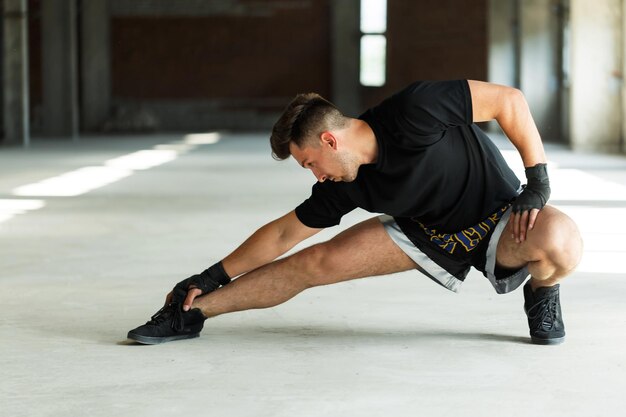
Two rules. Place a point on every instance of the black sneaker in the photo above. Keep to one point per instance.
(168, 324)
(545, 320)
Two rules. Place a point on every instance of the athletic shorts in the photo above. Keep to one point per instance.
(447, 258)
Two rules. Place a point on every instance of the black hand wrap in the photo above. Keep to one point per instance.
(207, 281)
(536, 193)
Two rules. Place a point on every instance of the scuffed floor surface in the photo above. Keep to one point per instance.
(84, 260)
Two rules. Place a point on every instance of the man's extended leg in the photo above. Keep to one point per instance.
(360, 251)
(363, 250)
(551, 250)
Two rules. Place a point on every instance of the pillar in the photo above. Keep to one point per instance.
(503, 42)
(1, 71)
(95, 64)
(345, 56)
(15, 72)
(622, 49)
(596, 108)
(60, 86)
(539, 64)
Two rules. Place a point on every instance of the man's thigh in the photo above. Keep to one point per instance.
(364, 249)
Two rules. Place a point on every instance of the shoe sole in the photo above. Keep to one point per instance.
(553, 341)
(148, 340)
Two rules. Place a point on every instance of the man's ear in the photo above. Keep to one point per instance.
(328, 139)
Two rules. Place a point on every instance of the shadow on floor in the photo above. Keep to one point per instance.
(348, 335)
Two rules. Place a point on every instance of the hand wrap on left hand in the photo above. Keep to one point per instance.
(536, 193)
(207, 281)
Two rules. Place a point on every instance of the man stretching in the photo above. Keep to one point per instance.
(449, 198)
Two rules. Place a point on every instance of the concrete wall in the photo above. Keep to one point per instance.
(95, 64)
(60, 71)
(345, 56)
(2, 75)
(571, 66)
(14, 44)
(539, 77)
(195, 64)
(623, 75)
(503, 26)
(164, 69)
(504, 45)
(596, 73)
(524, 52)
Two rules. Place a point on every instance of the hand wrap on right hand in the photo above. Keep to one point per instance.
(207, 281)
(536, 192)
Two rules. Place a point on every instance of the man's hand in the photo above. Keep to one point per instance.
(191, 295)
(203, 283)
(527, 205)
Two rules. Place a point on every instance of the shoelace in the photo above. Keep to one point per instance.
(543, 313)
(172, 311)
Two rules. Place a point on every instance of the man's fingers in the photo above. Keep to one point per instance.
(523, 225)
(191, 295)
(532, 218)
(523, 222)
(516, 217)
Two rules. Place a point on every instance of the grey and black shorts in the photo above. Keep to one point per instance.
(447, 258)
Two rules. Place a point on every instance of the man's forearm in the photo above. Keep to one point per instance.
(266, 244)
(262, 247)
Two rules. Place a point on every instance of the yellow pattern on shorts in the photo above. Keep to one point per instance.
(467, 239)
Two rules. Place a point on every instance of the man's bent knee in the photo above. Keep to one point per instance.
(571, 249)
(562, 242)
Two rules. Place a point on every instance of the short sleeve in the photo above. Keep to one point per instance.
(328, 203)
(430, 107)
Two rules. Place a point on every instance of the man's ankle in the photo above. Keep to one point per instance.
(541, 283)
(204, 312)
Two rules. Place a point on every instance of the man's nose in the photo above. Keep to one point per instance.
(320, 177)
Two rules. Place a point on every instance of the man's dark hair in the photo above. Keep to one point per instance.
(304, 119)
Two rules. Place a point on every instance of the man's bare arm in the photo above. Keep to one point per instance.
(509, 108)
(267, 244)
(262, 247)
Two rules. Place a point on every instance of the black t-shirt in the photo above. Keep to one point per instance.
(434, 165)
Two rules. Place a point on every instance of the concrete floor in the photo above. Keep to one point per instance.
(77, 272)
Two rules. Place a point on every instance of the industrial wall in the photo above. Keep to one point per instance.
(162, 65)
(433, 40)
(218, 66)
(234, 64)
(567, 56)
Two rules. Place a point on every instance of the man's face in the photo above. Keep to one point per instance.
(326, 161)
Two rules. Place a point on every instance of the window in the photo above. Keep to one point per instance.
(373, 42)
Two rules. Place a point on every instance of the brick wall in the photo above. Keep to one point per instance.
(433, 40)
(253, 56)
(230, 57)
